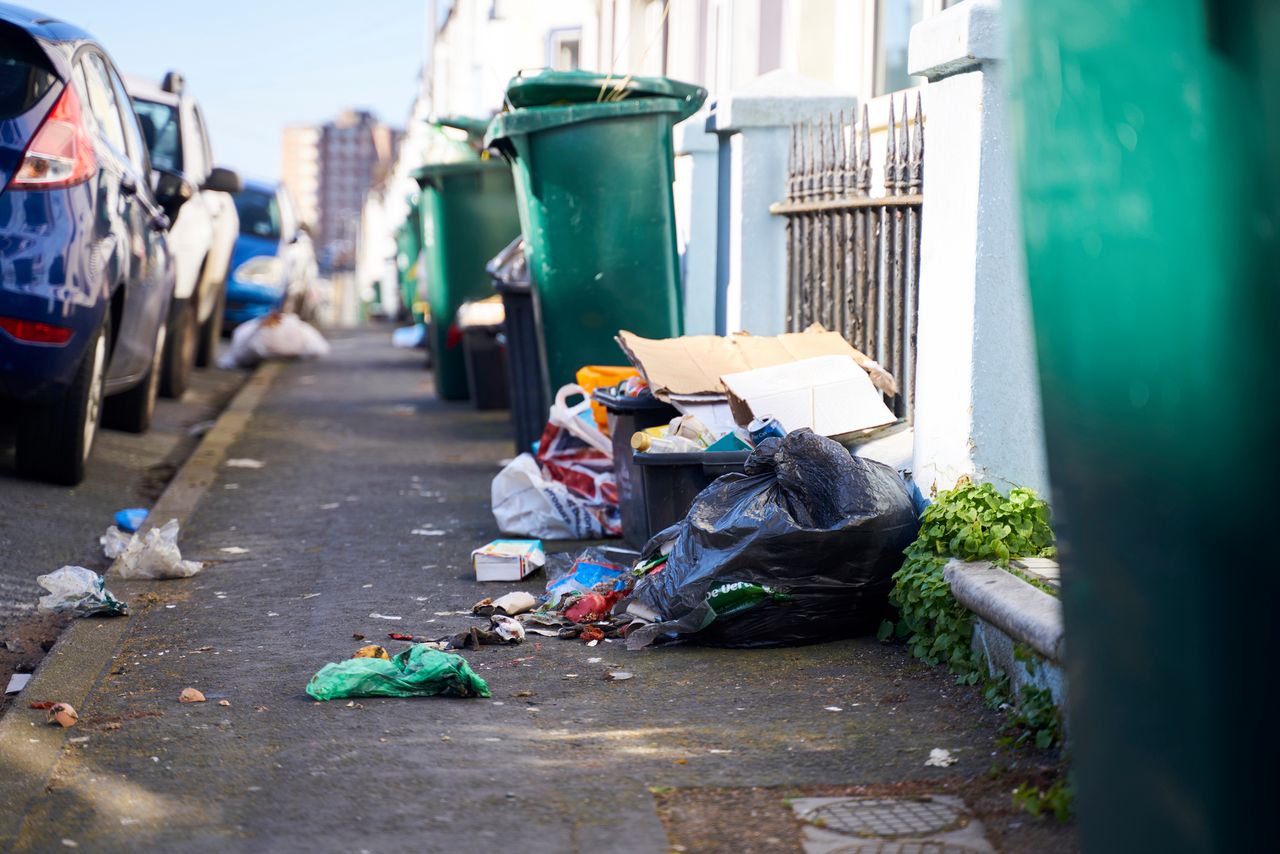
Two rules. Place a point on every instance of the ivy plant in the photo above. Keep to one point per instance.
(972, 522)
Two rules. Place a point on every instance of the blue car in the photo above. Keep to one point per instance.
(85, 272)
(273, 263)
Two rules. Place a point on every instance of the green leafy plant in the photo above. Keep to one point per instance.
(1057, 799)
(972, 522)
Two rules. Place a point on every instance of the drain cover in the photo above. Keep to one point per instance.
(918, 847)
(888, 818)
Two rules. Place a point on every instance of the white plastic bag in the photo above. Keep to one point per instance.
(278, 335)
(527, 504)
(571, 418)
(74, 588)
(155, 555)
(114, 542)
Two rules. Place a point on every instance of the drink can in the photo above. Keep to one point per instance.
(765, 427)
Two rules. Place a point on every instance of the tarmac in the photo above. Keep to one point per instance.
(356, 455)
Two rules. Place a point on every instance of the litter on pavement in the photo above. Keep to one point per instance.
(940, 758)
(278, 335)
(419, 671)
(507, 560)
(79, 590)
(510, 604)
(155, 554)
(568, 490)
(62, 714)
(130, 519)
(799, 549)
(17, 681)
(191, 695)
(114, 541)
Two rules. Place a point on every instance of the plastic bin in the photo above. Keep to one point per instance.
(468, 214)
(408, 251)
(485, 353)
(626, 416)
(670, 482)
(529, 397)
(593, 185)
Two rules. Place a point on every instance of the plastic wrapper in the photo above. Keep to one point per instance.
(155, 554)
(419, 671)
(527, 503)
(799, 549)
(278, 335)
(74, 588)
(587, 571)
(114, 541)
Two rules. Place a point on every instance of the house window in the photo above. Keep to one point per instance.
(894, 20)
(564, 48)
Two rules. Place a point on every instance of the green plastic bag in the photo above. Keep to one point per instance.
(419, 671)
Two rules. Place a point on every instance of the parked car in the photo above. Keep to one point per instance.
(274, 263)
(85, 272)
(203, 231)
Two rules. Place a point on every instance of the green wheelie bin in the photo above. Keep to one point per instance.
(468, 214)
(408, 251)
(593, 165)
(1150, 199)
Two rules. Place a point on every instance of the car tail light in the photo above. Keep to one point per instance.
(35, 332)
(61, 152)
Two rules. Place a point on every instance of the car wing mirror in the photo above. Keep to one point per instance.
(172, 192)
(222, 180)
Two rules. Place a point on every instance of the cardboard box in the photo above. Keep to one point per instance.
(689, 369)
(507, 560)
(830, 395)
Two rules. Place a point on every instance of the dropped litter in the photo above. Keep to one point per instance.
(17, 681)
(419, 671)
(940, 758)
(131, 518)
(278, 335)
(62, 714)
(114, 541)
(79, 590)
(155, 554)
(800, 548)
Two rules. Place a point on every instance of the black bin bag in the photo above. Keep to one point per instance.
(799, 549)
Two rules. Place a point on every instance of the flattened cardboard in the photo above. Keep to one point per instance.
(828, 394)
(694, 364)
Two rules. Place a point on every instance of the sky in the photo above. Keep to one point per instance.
(257, 66)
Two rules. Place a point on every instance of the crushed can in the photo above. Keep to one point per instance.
(765, 427)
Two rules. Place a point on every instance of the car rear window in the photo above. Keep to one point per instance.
(25, 73)
(160, 127)
(259, 213)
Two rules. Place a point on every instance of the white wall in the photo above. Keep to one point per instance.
(977, 392)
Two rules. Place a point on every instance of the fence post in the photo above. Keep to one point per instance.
(977, 406)
(753, 124)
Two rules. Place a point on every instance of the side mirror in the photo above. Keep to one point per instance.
(172, 192)
(223, 181)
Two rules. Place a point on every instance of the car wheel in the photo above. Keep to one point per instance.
(211, 332)
(180, 349)
(131, 411)
(54, 441)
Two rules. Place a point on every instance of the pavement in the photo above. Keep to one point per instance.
(62, 524)
(356, 455)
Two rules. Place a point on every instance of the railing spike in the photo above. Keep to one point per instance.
(890, 155)
(864, 155)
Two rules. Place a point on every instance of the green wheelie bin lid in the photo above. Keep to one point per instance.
(534, 119)
(545, 88)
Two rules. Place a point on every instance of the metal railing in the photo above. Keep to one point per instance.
(853, 259)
